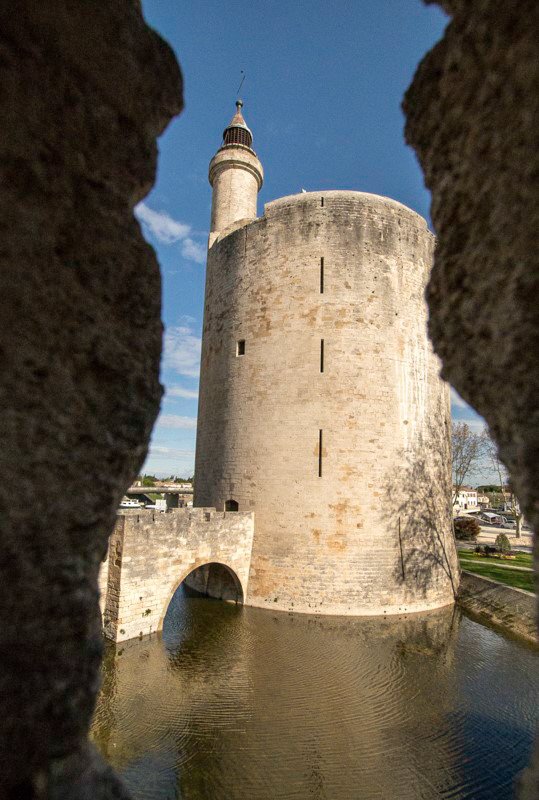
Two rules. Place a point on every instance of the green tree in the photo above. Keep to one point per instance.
(467, 450)
(500, 469)
(466, 528)
(502, 543)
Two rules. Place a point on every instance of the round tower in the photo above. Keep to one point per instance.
(321, 407)
(235, 175)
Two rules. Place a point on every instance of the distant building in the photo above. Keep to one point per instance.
(466, 500)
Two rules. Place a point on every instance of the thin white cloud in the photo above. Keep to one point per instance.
(456, 399)
(164, 460)
(476, 424)
(178, 391)
(161, 225)
(182, 351)
(167, 230)
(176, 421)
(193, 251)
(170, 452)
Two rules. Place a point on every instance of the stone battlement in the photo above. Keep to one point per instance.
(334, 197)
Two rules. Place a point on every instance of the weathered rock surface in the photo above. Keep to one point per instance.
(85, 89)
(473, 119)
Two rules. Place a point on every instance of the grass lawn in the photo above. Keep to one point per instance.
(489, 568)
(520, 560)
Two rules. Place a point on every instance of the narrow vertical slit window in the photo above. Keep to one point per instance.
(321, 355)
(240, 347)
(322, 275)
(322, 202)
(319, 454)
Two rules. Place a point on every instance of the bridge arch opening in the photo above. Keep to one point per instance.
(194, 613)
(187, 605)
(212, 579)
(215, 580)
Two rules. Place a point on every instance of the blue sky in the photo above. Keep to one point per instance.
(324, 83)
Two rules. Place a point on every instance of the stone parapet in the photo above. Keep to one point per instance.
(151, 553)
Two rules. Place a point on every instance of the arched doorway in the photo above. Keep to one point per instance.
(231, 505)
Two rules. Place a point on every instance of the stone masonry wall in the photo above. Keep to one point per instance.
(151, 553)
(512, 609)
(372, 534)
(86, 88)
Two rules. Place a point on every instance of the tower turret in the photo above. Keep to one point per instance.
(235, 175)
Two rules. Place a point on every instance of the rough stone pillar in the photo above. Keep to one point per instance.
(472, 117)
(85, 89)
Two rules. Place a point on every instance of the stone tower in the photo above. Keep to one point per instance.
(321, 408)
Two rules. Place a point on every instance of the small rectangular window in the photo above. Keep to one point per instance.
(322, 275)
(240, 347)
(321, 355)
(319, 454)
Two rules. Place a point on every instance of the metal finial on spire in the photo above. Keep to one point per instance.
(241, 83)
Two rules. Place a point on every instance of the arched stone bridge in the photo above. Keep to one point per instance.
(150, 554)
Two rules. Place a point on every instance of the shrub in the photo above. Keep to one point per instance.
(502, 543)
(489, 551)
(479, 549)
(466, 528)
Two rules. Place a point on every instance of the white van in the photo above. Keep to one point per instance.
(490, 518)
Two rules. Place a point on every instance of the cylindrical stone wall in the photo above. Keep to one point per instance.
(324, 298)
(236, 176)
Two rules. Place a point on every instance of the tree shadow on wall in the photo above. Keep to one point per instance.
(417, 512)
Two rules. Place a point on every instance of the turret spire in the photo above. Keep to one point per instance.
(237, 131)
(235, 175)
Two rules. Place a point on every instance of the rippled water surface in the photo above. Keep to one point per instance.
(242, 704)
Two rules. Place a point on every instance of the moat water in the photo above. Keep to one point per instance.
(233, 703)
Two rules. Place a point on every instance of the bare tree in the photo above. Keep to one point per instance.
(468, 449)
(491, 452)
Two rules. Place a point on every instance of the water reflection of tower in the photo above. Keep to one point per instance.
(289, 706)
(321, 408)
(345, 707)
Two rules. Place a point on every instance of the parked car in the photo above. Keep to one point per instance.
(509, 523)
